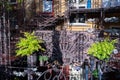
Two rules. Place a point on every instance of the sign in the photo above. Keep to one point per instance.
(88, 3)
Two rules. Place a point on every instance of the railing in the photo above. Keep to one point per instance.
(54, 74)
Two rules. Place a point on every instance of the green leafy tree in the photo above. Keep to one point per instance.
(28, 45)
(102, 49)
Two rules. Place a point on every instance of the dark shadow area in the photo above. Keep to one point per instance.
(112, 75)
(56, 54)
(20, 62)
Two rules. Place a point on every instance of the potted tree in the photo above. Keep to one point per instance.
(43, 59)
(28, 45)
(102, 51)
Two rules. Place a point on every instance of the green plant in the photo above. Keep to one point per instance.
(102, 49)
(20, 1)
(95, 73)
(43, 58)
(28, 45)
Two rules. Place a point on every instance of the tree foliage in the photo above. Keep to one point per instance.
(6, 4)
(28, 45)
(102, 49)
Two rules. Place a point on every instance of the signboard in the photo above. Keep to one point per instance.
(47, 6)
(88, 3)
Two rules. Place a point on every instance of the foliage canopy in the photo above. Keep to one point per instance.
(6, 5)
(102, 49)
(28, 45)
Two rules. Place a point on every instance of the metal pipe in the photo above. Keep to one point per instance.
(99, 71)
(86, 69)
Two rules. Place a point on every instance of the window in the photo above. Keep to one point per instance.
(72, 1)
(77, 18)
(47, 5)
(76, 1)
(12, 0)
(77, 4)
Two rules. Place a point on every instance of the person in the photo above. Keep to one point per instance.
(86, 69)
(76, 71)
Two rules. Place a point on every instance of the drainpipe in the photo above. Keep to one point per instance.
(102, 15)
(99, 71)
(92, 65)
(86, 69)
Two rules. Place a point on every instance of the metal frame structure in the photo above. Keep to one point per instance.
(69, 46)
